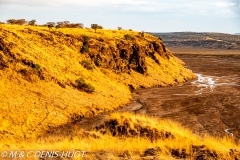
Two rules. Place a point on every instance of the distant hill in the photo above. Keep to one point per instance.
(237, 33)
(200, 40)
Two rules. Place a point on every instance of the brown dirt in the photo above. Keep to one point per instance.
(203, 51)
(209, 105)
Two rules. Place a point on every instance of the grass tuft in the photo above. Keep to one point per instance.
(87, 64)
(82, 85)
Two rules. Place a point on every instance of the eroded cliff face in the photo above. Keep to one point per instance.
(50, 78)
(119, 55)
(124, 55)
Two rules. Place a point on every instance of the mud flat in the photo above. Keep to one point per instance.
(207, 105)
(205, 51)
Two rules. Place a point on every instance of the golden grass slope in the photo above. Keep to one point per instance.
(183, 144)
(38, 69)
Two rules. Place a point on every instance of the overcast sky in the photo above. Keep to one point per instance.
(141, 15)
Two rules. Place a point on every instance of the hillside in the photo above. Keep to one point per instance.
(63, 90)
(200, 40)
(49, 78)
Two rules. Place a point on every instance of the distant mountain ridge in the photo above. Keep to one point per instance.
(200, 40)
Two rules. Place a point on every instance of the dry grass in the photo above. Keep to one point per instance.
(114, 146)
(37, 86)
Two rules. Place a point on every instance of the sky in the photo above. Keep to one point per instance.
(140, 15)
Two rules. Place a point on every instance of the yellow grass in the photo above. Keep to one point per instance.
(31, 106)
(183, 139)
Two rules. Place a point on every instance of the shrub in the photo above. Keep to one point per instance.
(85, 44)
(86, 38)
(128, 37)
(11, 21)
(67, 24)
(86, 64)
(97, 62)
(50, 23)
(36, 66)
(130, 30)
(103, 49)
(100, 27)
(84, 49)
(82, 85)
(17, 21)
(32, 22)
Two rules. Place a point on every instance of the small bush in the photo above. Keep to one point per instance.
(128, 37)
(101, 39)
(32, 22)
(97, 62)
(17, 21)
(84, 49)
(86, 64)
(103, 49)
(86, 38)
(82, 85)
(36, 66)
